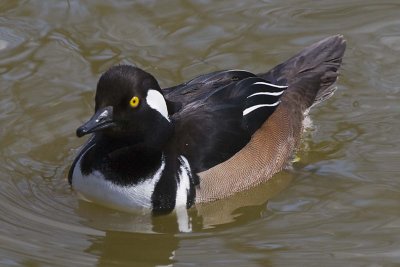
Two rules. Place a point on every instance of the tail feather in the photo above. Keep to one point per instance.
(311, 73)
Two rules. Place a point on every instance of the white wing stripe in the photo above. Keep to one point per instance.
(267, 93)
(251, 109)
(273, 85)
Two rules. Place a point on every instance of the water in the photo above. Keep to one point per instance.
(338, 206)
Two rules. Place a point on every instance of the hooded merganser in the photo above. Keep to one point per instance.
(199, 141)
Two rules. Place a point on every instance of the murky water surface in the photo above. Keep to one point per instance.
(338, 206)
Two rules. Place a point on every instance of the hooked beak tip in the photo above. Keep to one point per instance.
(81, 131)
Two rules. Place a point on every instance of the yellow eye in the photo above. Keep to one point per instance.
(134, 102)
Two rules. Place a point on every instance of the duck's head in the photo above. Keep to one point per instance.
(129, 104)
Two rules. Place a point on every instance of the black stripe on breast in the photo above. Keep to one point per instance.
(164, 194)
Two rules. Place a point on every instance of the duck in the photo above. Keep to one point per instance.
(203, 140)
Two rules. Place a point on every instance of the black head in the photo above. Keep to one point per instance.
(129, 104)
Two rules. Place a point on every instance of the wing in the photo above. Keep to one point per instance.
(195, 89)
(212, 129)
(208, 135)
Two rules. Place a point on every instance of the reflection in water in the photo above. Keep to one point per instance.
(234, 208)
(124, 249)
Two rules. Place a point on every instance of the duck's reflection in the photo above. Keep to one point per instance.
(134, 249)
(142, 238)
(243, 206)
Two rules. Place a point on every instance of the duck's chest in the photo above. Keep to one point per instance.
(133, 183)
(95, 186)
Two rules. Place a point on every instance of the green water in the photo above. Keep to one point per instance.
(338, 206)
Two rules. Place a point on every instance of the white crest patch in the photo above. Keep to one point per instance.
(94, 187)
(157, 102)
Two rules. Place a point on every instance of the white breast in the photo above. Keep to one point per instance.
(96, 188)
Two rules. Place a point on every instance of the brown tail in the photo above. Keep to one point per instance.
(312, 72)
